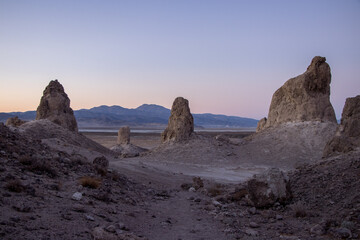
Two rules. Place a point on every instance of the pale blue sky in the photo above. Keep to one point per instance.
(224, 56)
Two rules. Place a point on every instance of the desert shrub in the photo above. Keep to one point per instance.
(14, 186)
(101, 171)
(299, 209)
(42, 167)
(26, 160)
(90, 182)
(215, 190)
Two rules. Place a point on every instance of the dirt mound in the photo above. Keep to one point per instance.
(303, 98)
(288, 145)
(55, 106)
(54, 134)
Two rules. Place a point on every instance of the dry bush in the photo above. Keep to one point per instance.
(299, 209)
(90, 182)
(42, 167)
(14, 186)
(215, 190)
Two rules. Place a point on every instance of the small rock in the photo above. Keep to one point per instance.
(192, 189)
(254, 225)
(251, 232)
(216, 203)
(77, 196)
(279, 217)
(110, 228)
(343, 233)
(252, 210)
(90, 218)
(317, 230)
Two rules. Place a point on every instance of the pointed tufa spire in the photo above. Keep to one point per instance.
(303, 98)
(181, 122)
(55, 106)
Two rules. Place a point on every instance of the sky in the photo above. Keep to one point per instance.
(224, 56)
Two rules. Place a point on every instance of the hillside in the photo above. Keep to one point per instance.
(146, 115)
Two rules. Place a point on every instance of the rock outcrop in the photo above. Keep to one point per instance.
(303, 98)
(347, 136)
(14, 122)
(123, 147)
(268, 188)
(123, 136)
(55, 106)
(181, 122)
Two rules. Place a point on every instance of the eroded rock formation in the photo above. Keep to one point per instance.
(14, 122)
(123, 136)
(347, 136)
(55, 106)
(123, 147)
(181, 122)
(303, 98)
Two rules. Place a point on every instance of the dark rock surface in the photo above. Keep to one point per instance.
(347, 136)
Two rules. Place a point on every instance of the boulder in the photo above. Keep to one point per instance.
(123, 136)
(303, 98)
(55, 106)
(128, 150)
(268, 188)
(14, 122)
(347, 136)
(181, 122)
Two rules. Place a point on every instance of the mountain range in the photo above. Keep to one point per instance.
(146, 115)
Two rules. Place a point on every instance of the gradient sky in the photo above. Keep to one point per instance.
(225, 57)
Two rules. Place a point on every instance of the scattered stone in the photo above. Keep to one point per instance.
(268, 188)
(252, 211)
(222, 138)
(123, 136)
(279, 217)
(90, 218)
(111, 229)
(303, 98)
(99, 233)
(77, 196)
(343, 233)
(181, 122)
(251, 232)
(317, 230)
(254, 225)
(216, 203)
(347, 136)
(192, 189)
(55, 106)
(14, 122)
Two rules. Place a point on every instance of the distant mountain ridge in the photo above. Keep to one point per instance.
(146, 115)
